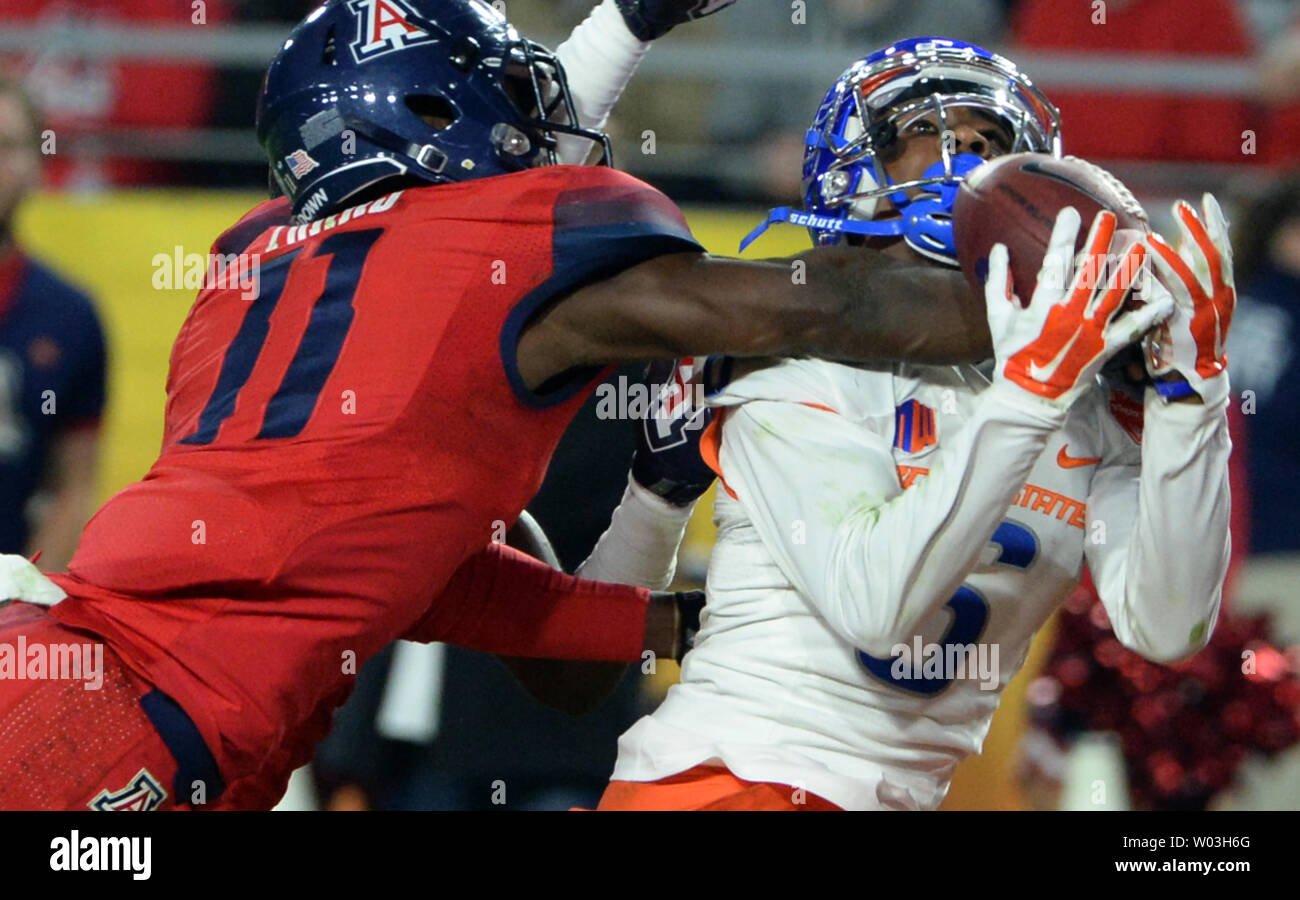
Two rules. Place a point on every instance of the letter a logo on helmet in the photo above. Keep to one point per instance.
(382, 27)
(469, 70)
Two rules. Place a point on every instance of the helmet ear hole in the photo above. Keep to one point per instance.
(436, 111)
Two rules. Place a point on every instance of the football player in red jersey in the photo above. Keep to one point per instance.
(342, 443)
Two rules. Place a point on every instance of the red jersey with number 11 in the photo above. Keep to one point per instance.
(340, 439)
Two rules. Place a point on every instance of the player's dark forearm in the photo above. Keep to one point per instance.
(892, 310)
(853, 305)
(838, 303)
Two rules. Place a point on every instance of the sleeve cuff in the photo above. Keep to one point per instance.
(657, 506)
(1022, 408)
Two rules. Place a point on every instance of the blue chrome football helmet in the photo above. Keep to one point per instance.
(344, 104)
(864, 112)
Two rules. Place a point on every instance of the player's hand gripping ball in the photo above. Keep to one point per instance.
(1055, 348)
(1198, 276)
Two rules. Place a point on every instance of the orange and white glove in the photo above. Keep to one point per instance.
(1189, 345)
(1055, 348)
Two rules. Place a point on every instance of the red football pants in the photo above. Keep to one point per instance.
(66, 747)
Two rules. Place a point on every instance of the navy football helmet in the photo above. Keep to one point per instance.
(879, 96)
(367, 93)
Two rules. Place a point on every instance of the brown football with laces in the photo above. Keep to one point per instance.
(1014, 200)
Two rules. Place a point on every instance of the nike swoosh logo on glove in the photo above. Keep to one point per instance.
(1041, 374)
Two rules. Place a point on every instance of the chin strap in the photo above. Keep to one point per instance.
(784, 214)
(916, 212)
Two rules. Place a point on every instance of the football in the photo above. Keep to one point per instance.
(1014, 200)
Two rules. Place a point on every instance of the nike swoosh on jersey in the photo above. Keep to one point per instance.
(1066, 461)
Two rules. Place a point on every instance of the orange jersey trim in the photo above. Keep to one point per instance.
(711, 440)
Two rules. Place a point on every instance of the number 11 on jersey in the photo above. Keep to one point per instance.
(288, 411)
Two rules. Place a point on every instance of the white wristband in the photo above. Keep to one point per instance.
(640, 545)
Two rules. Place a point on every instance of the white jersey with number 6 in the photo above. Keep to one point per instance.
(860, 512)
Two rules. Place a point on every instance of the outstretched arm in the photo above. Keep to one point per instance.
(571, 686)
(567, 639)
(1161, 567)
(599, 59)
(834, 303)
(603, 53)
(505, 602)
(1161, 558)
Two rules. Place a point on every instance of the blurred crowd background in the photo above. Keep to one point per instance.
(143, 94)
(147, 110)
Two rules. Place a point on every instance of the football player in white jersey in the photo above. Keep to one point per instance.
(889, 541)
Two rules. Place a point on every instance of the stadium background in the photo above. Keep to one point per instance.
(168, 161)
